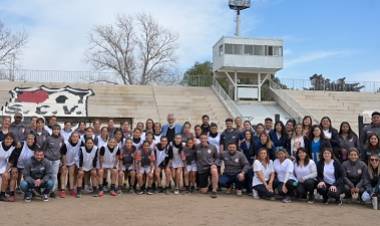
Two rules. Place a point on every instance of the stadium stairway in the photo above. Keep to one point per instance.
(142, 102)
(339, 106)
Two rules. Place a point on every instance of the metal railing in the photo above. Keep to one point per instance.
(305, 84)
(22, 75)
(225, 98)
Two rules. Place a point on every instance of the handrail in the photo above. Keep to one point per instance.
(296, 107)
(225, 98)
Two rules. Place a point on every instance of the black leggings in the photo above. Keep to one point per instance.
(291, 185)
(263, 191)
(306, 187)
(326, 193)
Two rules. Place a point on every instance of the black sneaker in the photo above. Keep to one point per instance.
(53, 195)
(45, 197)
(214, 195)
(140, 192)
(149, 191)
(28, 198)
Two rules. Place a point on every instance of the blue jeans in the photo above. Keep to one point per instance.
(27, 187)
(227, 181)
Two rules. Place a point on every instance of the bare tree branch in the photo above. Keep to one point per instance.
(138, 49)
(10, 45)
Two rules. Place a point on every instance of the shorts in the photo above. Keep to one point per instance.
(202, 179)
(129, 168)
(191, 167)
(177, 164)
(145, 170)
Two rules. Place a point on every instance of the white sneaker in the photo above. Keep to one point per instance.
(255, 195)
(239, 192)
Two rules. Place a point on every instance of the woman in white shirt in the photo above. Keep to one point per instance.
(286, 181)
(297, 141)
(330, 177)
(305, 171)
(263, 179)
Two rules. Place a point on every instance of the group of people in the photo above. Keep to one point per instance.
(269, 160)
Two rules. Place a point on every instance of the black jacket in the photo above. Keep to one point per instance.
(324, 144)
(339, 174)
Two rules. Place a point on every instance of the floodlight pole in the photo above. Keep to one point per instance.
(237, 32)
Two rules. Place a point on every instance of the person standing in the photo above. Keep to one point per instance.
(171, 129)
(18, 128)
(206, 159)
(52, 152)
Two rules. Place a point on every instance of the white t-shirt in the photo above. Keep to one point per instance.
(284, 170)
(266, 169)
(327, 134)
(303, 173)
(329, 173)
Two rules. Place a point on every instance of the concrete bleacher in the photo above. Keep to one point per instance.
(142, 102)
(339, 106)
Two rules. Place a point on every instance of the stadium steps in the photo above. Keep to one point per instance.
(142, 102)
(339, 106)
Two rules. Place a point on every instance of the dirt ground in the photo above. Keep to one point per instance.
(182, 210)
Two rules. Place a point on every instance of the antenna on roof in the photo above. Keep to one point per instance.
(238, 5)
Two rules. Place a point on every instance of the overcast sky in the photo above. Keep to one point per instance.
(333, 37)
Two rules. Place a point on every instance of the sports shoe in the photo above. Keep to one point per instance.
(73, 193)
(53, 195)
(78, 195)
(11, 198)
(45, 197)
(255, 194)
(101, 194)
(176, 191)
(113, 193)
(62, 194)
(239, 193)
(214, 195)
(149, 192)
(140, 192)
(28, 198)
(286, 200)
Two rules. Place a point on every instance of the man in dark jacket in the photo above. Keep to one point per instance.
(38, 176)
(236, 167)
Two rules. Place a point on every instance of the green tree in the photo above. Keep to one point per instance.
(200, 74)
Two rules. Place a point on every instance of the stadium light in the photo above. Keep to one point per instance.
(238, 5)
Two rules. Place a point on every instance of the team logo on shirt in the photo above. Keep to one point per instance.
(209, 151)
(44, 101)
(236, 160)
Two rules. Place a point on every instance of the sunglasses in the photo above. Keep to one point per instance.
(374, 160)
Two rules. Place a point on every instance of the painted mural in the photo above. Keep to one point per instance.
(44, 101)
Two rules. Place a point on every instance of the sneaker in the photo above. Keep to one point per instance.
(73, 193)
(78, 195)
(131, 191)
(149, 192)
(101, 194)
(176, 191)
(28, 198)
(11, 198)
(326, 201)
(339, 201)
(255, 194)
(140, 192)
(214, 195)
(45, 197)
(239, 193)
(228, 191)
(53, 195)
(113, 193)
(62, 194)
(286, 200)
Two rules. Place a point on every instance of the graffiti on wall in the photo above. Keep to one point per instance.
(44, 101)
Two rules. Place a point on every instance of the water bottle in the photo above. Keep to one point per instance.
(375, 203)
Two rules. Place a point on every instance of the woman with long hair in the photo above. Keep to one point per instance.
(347, 140)
(305, 171)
